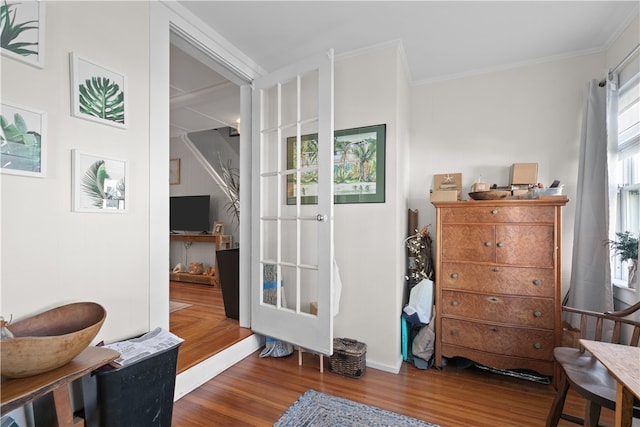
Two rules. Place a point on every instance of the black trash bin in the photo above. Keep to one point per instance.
(139, 394)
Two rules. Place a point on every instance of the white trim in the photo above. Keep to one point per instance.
(394, 369)
(203, 372)
(205, 39)
(509, 66)
(623, 26)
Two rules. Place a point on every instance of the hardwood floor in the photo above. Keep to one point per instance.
(255, 392)
(203, 326)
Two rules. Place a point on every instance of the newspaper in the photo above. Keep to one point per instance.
(150, 343)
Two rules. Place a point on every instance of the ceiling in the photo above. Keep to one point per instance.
(440, 39)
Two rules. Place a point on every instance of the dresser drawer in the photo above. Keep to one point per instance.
(494, 360)
(535, 282)
(510, 341)
(535, 214)
(512, 310)
(510, 244)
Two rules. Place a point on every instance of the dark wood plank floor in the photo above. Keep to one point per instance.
(256, 391)
(203, 326)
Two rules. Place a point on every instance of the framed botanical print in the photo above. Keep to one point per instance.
(98, 93)
(23, 141)
(358, 166)
(100, 183)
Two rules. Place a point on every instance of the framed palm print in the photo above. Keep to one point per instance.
(358, 166)
(100, 183)
(23, 31)
(98, 93)
(23, 144)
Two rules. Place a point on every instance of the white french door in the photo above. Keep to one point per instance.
(292, 204)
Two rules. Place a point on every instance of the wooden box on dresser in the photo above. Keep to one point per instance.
(498, 282)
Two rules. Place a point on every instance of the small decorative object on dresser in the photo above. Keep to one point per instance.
(498, 282)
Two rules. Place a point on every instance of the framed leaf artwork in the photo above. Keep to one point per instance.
(100, 183)
(23, 145)
(98, 93)
(23, 31)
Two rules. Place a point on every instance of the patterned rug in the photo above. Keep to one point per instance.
(320, 410)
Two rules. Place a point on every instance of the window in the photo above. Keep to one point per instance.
(628, 162)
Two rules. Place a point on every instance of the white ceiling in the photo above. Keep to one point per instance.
(441, 40)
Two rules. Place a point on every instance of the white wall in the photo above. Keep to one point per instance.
(50, 255)
(366, 239)
(481, 125)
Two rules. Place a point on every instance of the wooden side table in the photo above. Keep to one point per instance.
(221, 241)
(17, 392)
(623, 363)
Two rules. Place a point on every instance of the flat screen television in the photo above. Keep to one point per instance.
(189, 213)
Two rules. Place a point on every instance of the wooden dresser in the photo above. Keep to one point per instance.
(498, 282)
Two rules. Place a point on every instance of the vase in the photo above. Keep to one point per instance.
(632, 277)
(228, 261)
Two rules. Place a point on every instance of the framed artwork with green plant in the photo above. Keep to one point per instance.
(99, 183)
(23, 147)
(98, 93)
(22, 26)
(358, 166)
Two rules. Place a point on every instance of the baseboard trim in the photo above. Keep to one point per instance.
(394, 369)
(204, 371)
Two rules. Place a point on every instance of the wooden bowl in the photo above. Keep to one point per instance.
(490, 195)
(50, 339)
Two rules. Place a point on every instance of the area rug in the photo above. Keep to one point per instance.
(175, 306)
(319, 410)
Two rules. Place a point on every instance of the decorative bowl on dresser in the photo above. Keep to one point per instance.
(498, 282)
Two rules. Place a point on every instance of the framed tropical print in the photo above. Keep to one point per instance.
(22, 24)
(100, 183)
(358, 166)
(23, 140)
(98, 93)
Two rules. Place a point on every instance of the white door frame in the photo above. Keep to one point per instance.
(167, 18)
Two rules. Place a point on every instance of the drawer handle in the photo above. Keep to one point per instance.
(454, 332)
(494, 212)
(495, 270)
(454, 275)
(537, 313)
(537, 346)
(494, 329)
(537, 282)
(454, 303)
(487, 244)
(500, 245)
(493, 299)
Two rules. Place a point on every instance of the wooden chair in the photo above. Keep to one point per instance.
(585, 374)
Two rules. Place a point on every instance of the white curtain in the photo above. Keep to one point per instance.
(590, 286)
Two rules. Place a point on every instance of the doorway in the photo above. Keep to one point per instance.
(203, 126)
(167, 26)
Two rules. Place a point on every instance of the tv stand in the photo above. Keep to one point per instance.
(221, 241)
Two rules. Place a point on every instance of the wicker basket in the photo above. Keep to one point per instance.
(349, 357)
